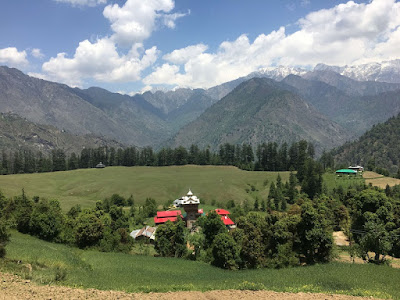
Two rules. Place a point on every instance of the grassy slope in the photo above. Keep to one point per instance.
(91, 269)
(86, 186)
(331, 180)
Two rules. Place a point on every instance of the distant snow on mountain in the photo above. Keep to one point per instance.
(278, 73)
(386, 71)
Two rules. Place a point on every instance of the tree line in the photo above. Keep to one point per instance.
(265, 157)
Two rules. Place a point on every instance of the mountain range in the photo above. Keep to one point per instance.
(274, 104)
(18, 133)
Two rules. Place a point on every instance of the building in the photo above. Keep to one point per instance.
(224, 217)
(357, 168)
(144, 233)
(346, 172)
(100, 165)
(189, 196)
(190, 204)
(169, 215)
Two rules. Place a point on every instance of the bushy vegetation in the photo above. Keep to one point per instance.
(275, 239)
(104, 229)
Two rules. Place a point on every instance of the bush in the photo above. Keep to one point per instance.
(225, 252)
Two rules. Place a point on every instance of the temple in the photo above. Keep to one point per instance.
(190, 204)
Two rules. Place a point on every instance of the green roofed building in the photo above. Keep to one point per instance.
(346, 172)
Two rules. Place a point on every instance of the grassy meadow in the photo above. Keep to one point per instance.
(86, 186)
(136, 273)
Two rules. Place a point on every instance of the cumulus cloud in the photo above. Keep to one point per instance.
(83, 2)
(136, 19)
(181, 56)
(37, 53)
(12, 57)
(99, 60)
(349, 33)
(131, 23)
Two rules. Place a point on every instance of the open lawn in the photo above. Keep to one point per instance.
(379, 180)
(131, 273)
(331, 180)
(86, 186)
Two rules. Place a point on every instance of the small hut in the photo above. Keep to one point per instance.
(100, 165)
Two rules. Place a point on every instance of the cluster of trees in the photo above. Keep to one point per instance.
(303, 234)
(288, 234)
(269, 157)
(105, 228)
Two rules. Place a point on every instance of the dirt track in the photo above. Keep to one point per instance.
(13, 287)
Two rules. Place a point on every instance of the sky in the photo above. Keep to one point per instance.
(131, 46)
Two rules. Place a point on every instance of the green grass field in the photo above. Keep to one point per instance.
(333, 181)
(135, 273)
(86, 186)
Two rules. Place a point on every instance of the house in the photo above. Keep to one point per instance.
(144, 233)
(169, 215)
(100, 165)
(356, 168)
(224, 217)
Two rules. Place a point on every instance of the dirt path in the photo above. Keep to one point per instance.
(13, 287)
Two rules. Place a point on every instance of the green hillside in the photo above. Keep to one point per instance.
(86, 186)
(378, 147)
(135, 273)
(260, 110)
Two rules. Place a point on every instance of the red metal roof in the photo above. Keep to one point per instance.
(163, 220)
(222, 212)
(227, 220)
(168, 213)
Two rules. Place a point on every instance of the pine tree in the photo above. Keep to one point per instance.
(256, 205)
(263, 205)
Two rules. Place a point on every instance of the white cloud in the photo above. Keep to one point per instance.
(348, 33)
(37, 53)
(181, 56)
(12, 57)
(83, 2)
(99, 60)
(136, 19)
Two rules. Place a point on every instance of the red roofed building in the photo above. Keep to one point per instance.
(227, 221)
(222, 212)
(169, 215)
(224, 217)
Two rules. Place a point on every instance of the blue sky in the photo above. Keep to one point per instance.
(131, 45)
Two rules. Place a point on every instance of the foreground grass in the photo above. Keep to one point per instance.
(114, 271)
(86, 186)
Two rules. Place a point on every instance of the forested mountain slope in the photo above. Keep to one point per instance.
(378, 147)
(260, 110)
(18, 133)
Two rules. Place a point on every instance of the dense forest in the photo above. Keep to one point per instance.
(266, 157)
